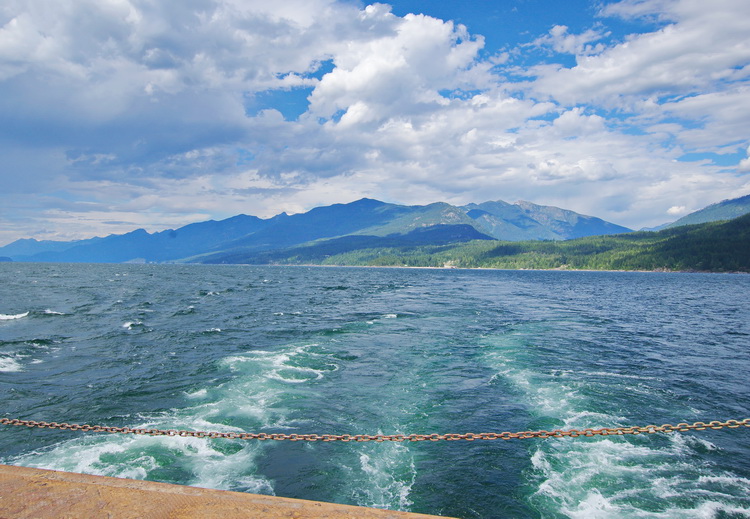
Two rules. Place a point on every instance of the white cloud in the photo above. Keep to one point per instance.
(632, 9)
(715, 121)
(744, 165)
(677, 210)
(565, 43)
(135, 111)
(701, 45)
(399, 73)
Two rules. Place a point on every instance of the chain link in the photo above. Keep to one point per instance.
(556, 433)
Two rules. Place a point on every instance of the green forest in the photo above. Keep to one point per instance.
(722, 246)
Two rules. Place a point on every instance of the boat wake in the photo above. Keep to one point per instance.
(648, 476)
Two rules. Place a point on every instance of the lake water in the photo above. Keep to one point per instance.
(366, 351)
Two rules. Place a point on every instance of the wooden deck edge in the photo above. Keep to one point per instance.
(45, 494)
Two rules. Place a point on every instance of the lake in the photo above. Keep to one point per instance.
(393, 351)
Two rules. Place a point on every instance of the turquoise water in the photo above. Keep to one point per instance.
(366, 351)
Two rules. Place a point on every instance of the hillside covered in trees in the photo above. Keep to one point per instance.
(722, 246)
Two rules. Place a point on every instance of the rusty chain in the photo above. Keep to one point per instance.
(557, 433)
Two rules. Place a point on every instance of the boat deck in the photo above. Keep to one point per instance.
(41, 494)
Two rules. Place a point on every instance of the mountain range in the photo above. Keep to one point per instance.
(231, 239)
(364, 223)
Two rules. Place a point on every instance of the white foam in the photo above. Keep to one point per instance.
(694, 441)
(52, 312)
(85, 455)
(384, 477)
(134, 457)
(609, 374)
(585, 419)
(255, 398)
(732, 481)
(295, 375)
(213, 469)
(600, 478)
(711, 510)
(131, 324)
(290, 365)
(10, 317)
(593, 506)
(201, 393)
(605, 477)
(9, 365)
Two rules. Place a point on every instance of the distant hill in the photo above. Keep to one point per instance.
(242, 237)
(30, 246)
(320, 252)
(157, 247)
(724, 210)
(710, 247)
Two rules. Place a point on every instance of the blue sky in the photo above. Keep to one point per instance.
(120, 114)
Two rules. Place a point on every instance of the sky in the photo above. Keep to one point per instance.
(125, 114)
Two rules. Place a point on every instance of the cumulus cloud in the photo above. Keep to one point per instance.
(578, 44)
(744, 165)
(398, 74)
(161, 76)
(146, 112)
(698, 46)
(677, 210)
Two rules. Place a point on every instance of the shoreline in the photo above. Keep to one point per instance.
(654, 271)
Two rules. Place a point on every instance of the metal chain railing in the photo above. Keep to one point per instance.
(557, 433)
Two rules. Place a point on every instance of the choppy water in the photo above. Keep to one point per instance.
(346, 350)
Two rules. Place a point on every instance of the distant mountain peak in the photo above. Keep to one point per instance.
(367, 201)
(525, 220)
